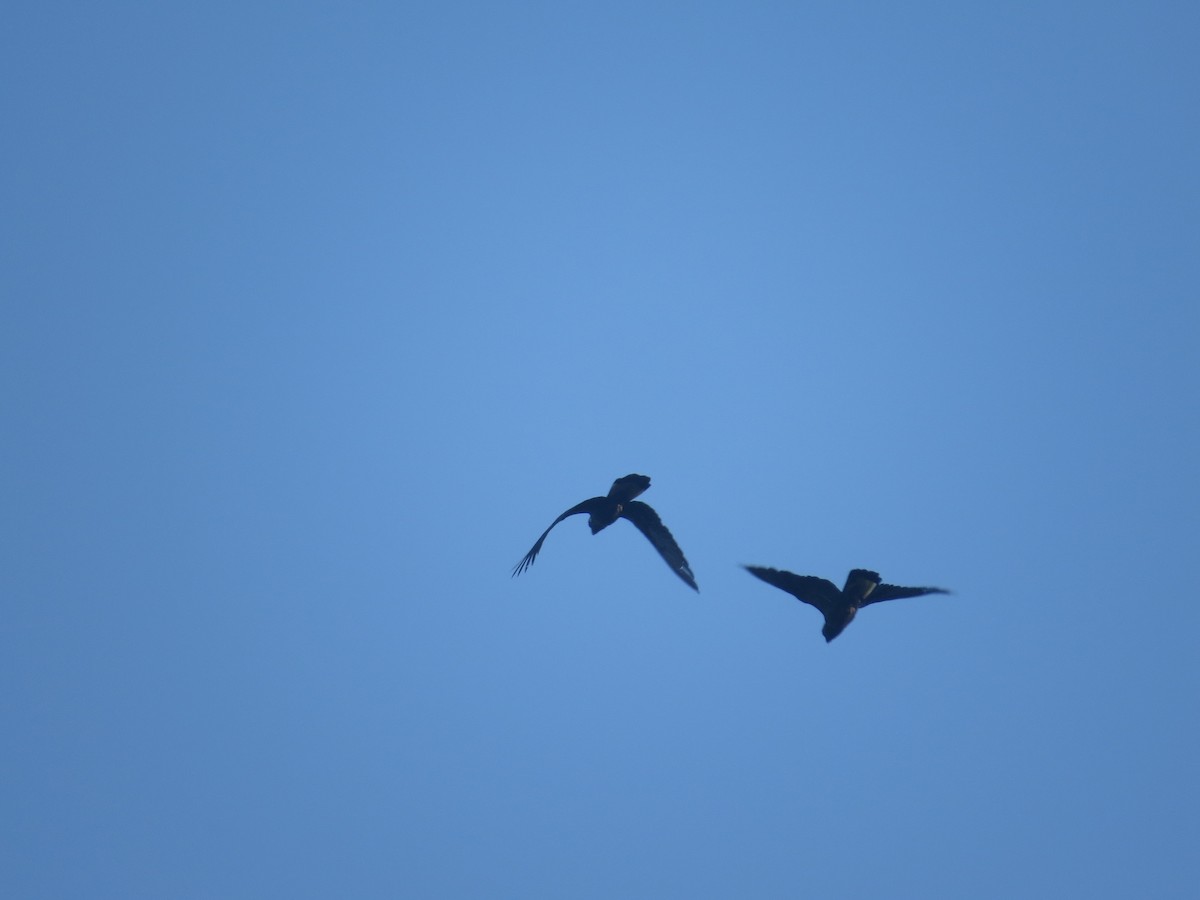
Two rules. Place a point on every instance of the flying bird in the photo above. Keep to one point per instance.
(838, 607)
(619, 504)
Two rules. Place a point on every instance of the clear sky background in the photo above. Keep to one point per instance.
(315, 315)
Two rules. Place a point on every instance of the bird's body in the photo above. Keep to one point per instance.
(620, 504)
(863, 587)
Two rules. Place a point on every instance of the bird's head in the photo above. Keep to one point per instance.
(834, 627)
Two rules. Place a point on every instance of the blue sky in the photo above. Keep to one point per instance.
(314, 316)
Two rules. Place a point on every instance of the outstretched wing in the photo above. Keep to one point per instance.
(589, 506)
(625, 489)
(809, 589)
(895, 592)
(649, 524)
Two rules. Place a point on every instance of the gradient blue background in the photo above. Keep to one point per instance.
(315, 315)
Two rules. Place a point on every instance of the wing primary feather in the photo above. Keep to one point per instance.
(648, 523)
(585, 507)
(810, 589)
(895, 592)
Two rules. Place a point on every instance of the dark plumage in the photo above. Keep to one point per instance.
(839, 607)
(619, 504)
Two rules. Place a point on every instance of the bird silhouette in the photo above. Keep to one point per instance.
(619, 504)
(839, 607)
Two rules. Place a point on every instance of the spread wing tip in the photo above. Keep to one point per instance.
(690, 579)
(522, 565)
